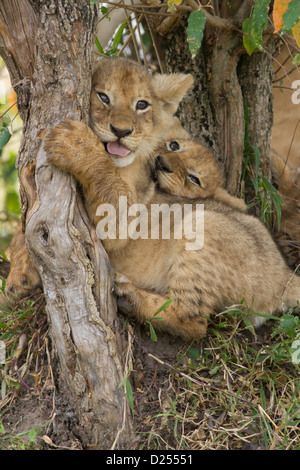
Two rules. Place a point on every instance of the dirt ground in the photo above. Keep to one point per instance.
(157, 376)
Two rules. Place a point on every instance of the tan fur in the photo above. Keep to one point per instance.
(23, 277)
(124, 83)
(176, 172)
(288, 181)
(238, 261)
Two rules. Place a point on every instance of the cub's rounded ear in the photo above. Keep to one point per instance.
(171, 88)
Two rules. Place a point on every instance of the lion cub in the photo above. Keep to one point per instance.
(130, 112)
(188, 169)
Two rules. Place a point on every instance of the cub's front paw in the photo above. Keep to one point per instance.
(69, 144)
(58, 140)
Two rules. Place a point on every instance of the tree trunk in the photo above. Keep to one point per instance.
(48, 51)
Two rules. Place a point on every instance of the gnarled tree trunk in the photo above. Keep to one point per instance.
(47, 47)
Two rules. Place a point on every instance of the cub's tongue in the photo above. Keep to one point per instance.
(114, 148)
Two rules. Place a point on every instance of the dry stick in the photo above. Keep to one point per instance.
(141, 39)
(128, 368)
(282, 87)
(283, 63)
(130, 37)
(216, 21)
(290, 43)
(8, 109)
(154, 45)
(286, 74)
(137, 10)
(292, 141)
(132, 34)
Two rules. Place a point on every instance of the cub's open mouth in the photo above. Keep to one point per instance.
(115, 148)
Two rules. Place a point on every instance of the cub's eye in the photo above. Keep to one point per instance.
(174, 145)
(104, 98)
(141, 105)
(195, 180)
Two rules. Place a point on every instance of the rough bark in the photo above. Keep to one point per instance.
(258, 97)
(48, 51)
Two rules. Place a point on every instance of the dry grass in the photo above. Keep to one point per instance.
(234, 390)
(237, 391)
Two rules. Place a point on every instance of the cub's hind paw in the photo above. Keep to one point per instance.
(121, 279)
(122, 286)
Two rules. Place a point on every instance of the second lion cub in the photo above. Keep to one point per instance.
(188, 169)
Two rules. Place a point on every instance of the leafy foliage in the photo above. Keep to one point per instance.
(265, 194)
(286, 14)
(5, 135)
(286, 17)
(253, 27)
(155, 317)
(116, 41)
(195, 29)
(291, 16)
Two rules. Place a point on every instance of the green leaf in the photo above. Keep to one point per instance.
(296, 59)
(275, 197)
(289, 324)
(295, 350)
(119, 35)
(2, 430)
(291, 16)
(12, 202)
(98, 45)
(129, 394)
(194, 353)
(249, 44)
(163, 307)
(194, 30)
(32, 436)
(249, 325)
(5, 135)
(152, 333)
(255, 26)
(104, 10)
